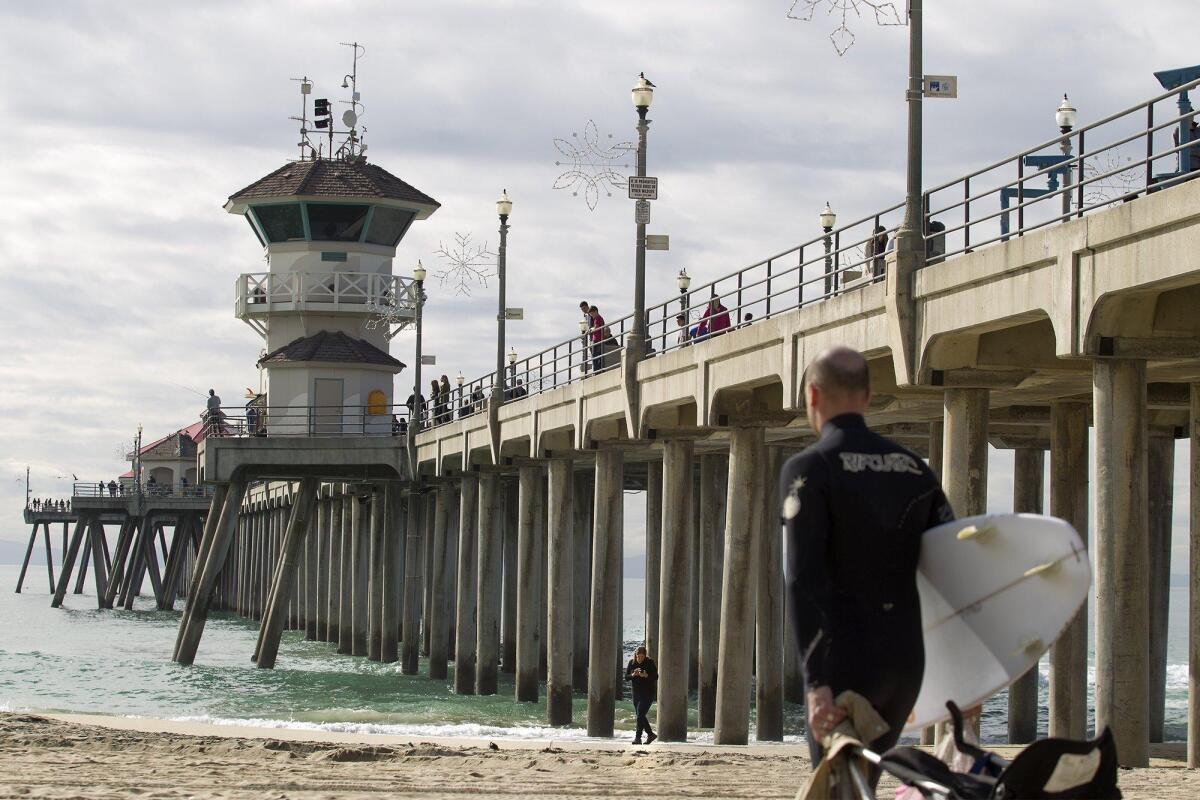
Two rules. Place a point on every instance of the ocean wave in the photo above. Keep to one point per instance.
(463, 730)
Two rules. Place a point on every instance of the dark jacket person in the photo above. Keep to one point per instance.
(642, 674)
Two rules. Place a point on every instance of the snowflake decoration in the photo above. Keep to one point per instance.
(1115, 187)
(466, 264)
(386, 314)
(592, 165)
(841, 36)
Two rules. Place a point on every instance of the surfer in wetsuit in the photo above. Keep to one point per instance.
(854, 506)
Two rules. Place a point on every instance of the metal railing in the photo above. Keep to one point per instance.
(1107, 162)
(298, 420)
(368, 292)
(127, 489)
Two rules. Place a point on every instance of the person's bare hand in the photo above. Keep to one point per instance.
(823, 714)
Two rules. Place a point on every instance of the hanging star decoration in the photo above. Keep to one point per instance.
(592, 165)
(465, 264)
(393, 312)
(841, 36)
(1107, 181)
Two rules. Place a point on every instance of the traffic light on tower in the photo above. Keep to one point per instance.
(321, 112)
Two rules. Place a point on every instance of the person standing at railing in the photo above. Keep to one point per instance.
(598, 332)
(685, 335)
(112, 488)
(251, 421)
(716, 318)
(877, 245)
(477, 400)
(416, 406)
(435, 402)
(446, 414)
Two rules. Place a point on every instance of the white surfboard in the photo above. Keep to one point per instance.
(996, 592)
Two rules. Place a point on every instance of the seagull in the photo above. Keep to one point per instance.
(645, 80)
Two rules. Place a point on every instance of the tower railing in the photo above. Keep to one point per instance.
(306, 420)
(356, 292)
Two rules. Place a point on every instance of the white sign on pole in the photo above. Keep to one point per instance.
(941, 86)
(428, 361)
(643, 188)
(514, 313)
(641, 212)
(658, 241)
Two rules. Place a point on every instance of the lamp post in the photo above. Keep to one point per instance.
(683, 281)
(828, 220)
(584, 326)
(512, 368)
(1064, 116)
(910, 236)
(643, 95)
(503, 209)
(414, 425)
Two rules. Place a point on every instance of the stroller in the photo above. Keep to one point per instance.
(1049, 769)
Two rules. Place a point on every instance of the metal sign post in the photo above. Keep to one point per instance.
(643, 188)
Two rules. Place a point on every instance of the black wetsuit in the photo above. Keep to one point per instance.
(855, 506)
(644, 692)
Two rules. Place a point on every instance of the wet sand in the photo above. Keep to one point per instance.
(88, 756)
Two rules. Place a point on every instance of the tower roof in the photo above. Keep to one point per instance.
(335, 179)
(333, 346)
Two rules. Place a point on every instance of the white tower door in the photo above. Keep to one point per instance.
(327, 405)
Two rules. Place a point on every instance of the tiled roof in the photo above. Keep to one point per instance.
(331, 346)
(324, 178)
(195, 432)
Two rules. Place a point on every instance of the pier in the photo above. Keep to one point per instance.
(491, 538)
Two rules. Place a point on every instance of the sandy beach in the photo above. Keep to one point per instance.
(96, 756)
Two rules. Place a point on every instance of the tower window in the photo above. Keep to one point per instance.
(330, 222)
(281, 223)
(388, 225)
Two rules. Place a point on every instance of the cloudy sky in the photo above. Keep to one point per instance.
(127, 124)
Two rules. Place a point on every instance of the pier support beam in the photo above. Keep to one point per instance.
(334, 593)
(582, 496)
(1193, 734)
(208, 567)
(713, 472)
(675, 613)
(654, 523)
(1028, 487)
(393, 572)
(1122, 556)
(346, 590)
(964, 452)
(529, 573)
(743, 527)
(376, 591)
(508, 622)
(491, 550)
(414, 565)
(439, 625)
(559, 600)
(362, 572)
(1069, 501)
(285, 572)
(467, 621)
(604, 645)
(1161, 485)
(768, 640)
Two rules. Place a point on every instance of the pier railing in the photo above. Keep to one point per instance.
(301, 420)
(1142, 149)
(127, 489)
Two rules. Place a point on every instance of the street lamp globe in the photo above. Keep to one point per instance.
(512, 356)
(643, 93)
(504, 205)
(683, 280)
(583, 326)
(1065, 115)
(419, 272)
(828, 218)
(459, 380)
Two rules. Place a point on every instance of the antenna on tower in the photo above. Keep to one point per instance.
(352, 147)
(323, 120)
(304, 143)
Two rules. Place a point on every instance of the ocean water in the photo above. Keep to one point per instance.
(78, 659)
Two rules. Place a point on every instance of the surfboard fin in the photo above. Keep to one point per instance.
(1028, 645)
(1046, 569)
(975, 532)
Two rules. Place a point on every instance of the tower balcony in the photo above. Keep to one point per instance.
(391, 299)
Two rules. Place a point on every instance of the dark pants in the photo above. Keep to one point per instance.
(642, 707)
(597, 356)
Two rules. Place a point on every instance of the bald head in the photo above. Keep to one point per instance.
(836, 382)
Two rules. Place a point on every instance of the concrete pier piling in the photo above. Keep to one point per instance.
(414, 566)
(490, 553)
(675, 601)
(286, 572)
(713, 489)
(560, 632)
(768, 640)
(1122, 556)
(1028, 488)
(1193, 729)
(346, 588)
(1160, 473)
(508, 619)
(467, 620)
(654, 521)
(360, 608)
(334, 579)
(200, 595)
(743, 528)
(393, 573)
(529, 573)
(582, 495)
(375, 590)
(604, 642)
(438, 600)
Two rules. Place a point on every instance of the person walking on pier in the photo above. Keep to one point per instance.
(642, 674)
(854, 507)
